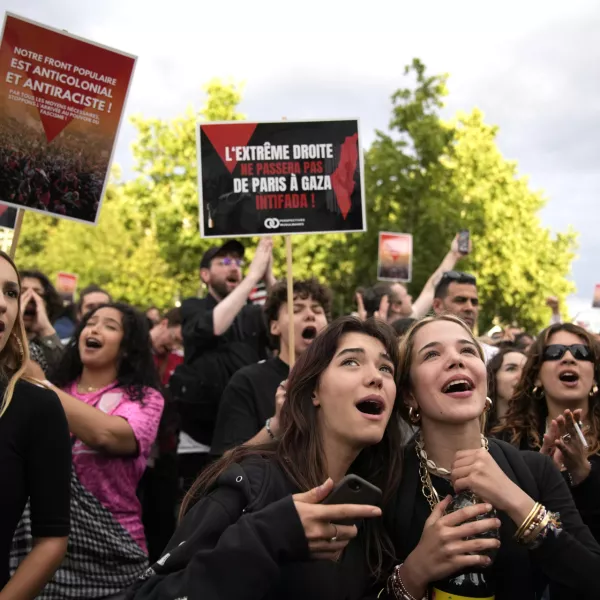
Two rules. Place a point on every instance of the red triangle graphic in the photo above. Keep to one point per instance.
(234, 134)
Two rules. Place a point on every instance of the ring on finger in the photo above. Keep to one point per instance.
(566, 438)
(334, 538)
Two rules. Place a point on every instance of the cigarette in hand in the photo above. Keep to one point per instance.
(580, 434)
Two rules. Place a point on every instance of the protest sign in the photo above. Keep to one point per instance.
(61, 104)
(66, 286)
(8, 216)
(395, 257)
(596, 301)
(280, 177)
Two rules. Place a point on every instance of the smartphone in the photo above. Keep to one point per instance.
(463, 241)
(353, 489)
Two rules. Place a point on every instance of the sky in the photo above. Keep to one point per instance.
(529, 66)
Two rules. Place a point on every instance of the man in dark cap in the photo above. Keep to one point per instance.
(222, 333)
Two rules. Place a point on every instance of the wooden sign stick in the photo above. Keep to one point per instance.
(16, 233)
(290, 295)
(290, 299)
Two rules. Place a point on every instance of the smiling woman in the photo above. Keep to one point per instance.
(442, 387)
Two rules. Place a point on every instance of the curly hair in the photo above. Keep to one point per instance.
(310, 288)
(527, 412)
(51, 298)
(493, 366)
(136, 369)
(300, 451)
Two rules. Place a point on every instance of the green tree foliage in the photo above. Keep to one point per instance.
(166, 190)
(427, 176)
(432, 177)
(121, 254)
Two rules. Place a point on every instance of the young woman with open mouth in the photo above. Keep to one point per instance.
(559, 386)
(442, 387)
(35, 454)
(108, 386)
(504, 372)
(258, 530)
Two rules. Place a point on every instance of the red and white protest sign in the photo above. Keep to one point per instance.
(61, 105)
(66, 285)
(395, 256)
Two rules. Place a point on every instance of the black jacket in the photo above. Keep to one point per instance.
(570, 563)
(586, 494)
(211, 360)
(245, 541)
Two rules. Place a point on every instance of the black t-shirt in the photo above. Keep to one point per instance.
(247, 402)
(247, 333)
(211, 360)
(35, 464)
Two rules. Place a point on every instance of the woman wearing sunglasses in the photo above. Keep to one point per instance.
(557, 396)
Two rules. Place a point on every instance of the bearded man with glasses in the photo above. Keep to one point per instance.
(222, 333)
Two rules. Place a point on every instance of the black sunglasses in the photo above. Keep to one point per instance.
(578, 351)
(459, 277)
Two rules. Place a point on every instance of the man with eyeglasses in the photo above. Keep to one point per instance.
(222, 333)
(456, 293)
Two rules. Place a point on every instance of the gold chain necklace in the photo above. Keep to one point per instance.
(427, 487)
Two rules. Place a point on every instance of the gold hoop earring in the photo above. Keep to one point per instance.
(21, 350)
(488, 404)
(538, 392)
(414, 415)
(594, 390)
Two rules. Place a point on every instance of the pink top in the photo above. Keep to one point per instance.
(113, 480)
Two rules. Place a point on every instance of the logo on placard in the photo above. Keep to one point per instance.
(272, 223)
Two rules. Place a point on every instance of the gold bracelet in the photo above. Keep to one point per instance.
(534, 523)
(528, 520)
(538, 530)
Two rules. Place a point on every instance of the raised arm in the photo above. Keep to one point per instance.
(226, 311)
(423, 303)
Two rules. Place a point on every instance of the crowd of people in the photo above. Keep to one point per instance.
(204, 454)
(60, 178)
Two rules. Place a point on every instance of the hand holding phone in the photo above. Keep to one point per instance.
(325, 532)
(353, 489)
(464, 242)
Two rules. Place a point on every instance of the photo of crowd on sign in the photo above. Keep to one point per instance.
(395, 257)
(61, 100)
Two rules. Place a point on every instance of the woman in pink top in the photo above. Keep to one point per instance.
(108, 386)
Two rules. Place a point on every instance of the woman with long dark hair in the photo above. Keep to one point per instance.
(35, 454)
(253, 520)
(542, 540)
(503, 371)
(558, 388)
(109, 389)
